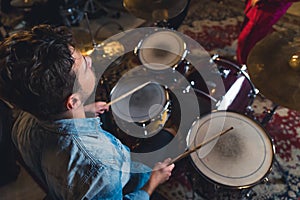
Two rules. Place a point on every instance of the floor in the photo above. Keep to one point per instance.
(24, 188)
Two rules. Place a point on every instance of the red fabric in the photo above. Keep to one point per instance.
(258, 22)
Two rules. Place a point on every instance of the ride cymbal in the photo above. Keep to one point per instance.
(274, 67)
(155, 10)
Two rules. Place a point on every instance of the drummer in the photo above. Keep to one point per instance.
(44, 75)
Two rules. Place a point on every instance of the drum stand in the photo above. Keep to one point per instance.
(264, 122)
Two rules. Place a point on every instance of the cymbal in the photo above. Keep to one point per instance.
(274, 67)
(83, 40)
(24, 3)
(155, 10)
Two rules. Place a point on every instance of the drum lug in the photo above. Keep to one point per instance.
(224, 72)
(187, 89)
(244, 68)
(243, 71)
(249, 194)
(265, 180)
(249, 111)
(213, 58)
(145, 130)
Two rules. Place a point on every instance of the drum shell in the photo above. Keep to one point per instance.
(214, 92)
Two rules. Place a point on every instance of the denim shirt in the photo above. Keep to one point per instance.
(77, 159)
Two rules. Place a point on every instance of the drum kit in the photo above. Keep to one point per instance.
(229, 163)
(236, 161)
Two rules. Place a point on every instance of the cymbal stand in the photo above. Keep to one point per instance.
(90, 30)
(269, 115)
(264, 122)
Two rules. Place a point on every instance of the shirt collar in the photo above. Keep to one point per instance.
(80, 126)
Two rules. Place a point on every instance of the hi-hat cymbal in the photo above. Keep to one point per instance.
(274, 68)
(155, 10)
(83, 40)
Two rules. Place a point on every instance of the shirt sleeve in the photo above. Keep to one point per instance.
(138, 195)
(109, 187)
(139, 175)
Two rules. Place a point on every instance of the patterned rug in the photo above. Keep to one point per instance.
(216, 25)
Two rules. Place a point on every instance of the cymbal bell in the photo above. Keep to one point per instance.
(157, 10)
(274, 67)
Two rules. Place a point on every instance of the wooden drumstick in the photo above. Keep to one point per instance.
(188, 152)
(127, 94)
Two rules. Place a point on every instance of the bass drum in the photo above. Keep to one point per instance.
(237, 160)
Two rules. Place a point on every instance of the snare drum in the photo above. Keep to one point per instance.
(238, 159)
(161, 50)
(143, 113)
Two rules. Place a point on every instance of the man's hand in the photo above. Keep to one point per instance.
(96, 108)
(161, 173)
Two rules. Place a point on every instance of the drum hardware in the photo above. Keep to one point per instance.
(191, 86)
(90, 30)
(72, 12)
(224, 72)
(159, 118)
(268, 116)
(274, 68)
(92, 7)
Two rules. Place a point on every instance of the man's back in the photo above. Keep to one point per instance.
(75, 156)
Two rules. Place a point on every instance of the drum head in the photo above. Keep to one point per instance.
(142, 105)
(161, 50)
(240, 158)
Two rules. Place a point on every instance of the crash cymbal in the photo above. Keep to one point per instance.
(274, 67)
(156, 10)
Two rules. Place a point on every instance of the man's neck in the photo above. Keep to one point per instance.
(71, 114)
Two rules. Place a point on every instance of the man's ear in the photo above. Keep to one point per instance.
(73, 101)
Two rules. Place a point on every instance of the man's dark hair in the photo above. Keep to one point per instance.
(36, 70)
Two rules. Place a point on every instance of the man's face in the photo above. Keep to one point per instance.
(84, 72)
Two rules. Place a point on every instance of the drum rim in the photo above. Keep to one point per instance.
(175, 63)
(244, 186)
